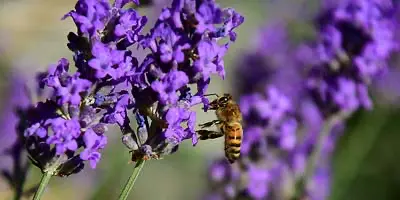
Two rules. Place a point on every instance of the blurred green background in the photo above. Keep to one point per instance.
(32, 36)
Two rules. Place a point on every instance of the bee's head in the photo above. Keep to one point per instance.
(220, 102)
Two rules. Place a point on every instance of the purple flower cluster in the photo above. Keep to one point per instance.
(69, 127)
(290, 95)
(185, 49)
(356, 39)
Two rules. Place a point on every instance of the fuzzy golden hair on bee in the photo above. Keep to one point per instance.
(229, 124)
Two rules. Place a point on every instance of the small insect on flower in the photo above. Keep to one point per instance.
(229, 123)
(144, 152)
(138, 155)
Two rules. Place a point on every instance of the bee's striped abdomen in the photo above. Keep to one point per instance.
(233, 140)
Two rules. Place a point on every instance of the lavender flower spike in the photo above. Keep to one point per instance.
(105, 82)
(184, 51)
(67, 129)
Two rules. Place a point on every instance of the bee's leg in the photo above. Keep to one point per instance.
(207, 134)
(208, 124)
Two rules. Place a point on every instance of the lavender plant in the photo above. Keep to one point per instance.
(185, 50)
(291, 126)
(67, 129)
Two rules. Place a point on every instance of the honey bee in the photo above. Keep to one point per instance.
(138, 155)
(228, 121)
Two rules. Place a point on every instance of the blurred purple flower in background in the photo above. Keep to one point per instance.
(356, 40)
(15, 164)
(295, 98)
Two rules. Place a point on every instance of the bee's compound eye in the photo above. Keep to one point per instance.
(223, 100)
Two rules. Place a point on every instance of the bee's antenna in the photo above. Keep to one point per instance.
(212, 94)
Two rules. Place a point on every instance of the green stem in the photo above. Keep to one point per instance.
(43, 184)
(131, 181)
(311, 166)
